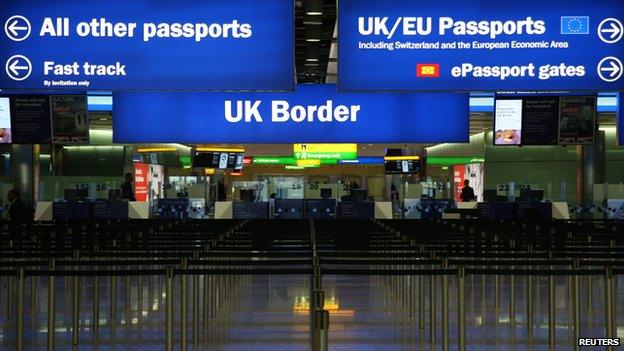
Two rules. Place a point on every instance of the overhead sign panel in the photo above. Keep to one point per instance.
(147, 44)
(481, 45)
(313, 113)
(325, 151)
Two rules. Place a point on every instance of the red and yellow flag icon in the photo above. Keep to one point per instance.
(428, 70)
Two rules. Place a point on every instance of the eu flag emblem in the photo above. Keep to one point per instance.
(574, 24)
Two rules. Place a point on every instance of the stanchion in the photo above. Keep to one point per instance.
(445, 309)
(33, 293)
(21, 282)
(421, 302)
(96, 305)
(317, 302)
(512, 301)
(76, 311)
(432, 310)
(113, 302)
(169, 311)
(184, 308)
(610, 331)
(195, 304)
(590, 293)
(321, 330)
(529, 305)
(576, 306)
(461, 309)
(551, 310)
(51, 307)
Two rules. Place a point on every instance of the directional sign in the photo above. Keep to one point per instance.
(610, 30)
(313, 113)
(147, 44)
(18, 68)
(17, 28)
(480, 45)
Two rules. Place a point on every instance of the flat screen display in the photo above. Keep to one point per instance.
(220, 160)
(5, 121)
(577, 120)
(508, 122)
(402, 166)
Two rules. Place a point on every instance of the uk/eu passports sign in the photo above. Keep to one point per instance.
(146, 44)
(481, 45)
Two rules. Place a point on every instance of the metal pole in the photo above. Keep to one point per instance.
(321, 328)
(76, 311)
(169, 295)
(445, 311)
(432, 310)
(184, 313)
(590, 293)
(512, 301)
(551, 310)
(529, 305)
(206, 302)
(96, 304)
(609, 305)
(21, 282)
(113, 302)
(33, 293)
(577, 310)
(51, 313)
(461, 309)
(421, 302)
(195, 309)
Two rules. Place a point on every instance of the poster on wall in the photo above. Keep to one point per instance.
(459, 172)
(5, 121)
(141, 171)
(156, 180)
(539, 120)
(70, 122)
(577, 120)
(474, 173)
(508, 122)
(30, 118)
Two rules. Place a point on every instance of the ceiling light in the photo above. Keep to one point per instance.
(314, 7)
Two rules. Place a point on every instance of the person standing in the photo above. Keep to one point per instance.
(467, 192)
(16, 210)
(127, 190)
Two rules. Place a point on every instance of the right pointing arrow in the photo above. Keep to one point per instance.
(614, 69)
(15, 68)
(614, 30)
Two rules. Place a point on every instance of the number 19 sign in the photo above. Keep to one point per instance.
(481, 45)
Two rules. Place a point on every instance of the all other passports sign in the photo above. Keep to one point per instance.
(481, 45)
(146, 44)
(313, 113)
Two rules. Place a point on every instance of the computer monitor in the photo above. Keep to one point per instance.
(73, 195)
(537, 195)
(326, 193)
(114, 194)
(359, 194)
(490, 195)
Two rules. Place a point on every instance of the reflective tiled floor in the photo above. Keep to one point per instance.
(263, 312)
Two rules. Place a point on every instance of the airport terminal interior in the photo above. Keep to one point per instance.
(316, 175)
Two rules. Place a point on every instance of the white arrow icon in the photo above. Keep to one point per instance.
(614, 69)
(18, 67)
(15, 68)
(610, 69)
(614, 30)
(17, 28)
(610, 30)
(13, 27)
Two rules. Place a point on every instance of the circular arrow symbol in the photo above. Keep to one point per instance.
(17, 28)
(610, 30)
(18, 67)
(610, 69)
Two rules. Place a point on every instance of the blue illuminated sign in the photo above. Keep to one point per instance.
(313, 113)
(481, 45)
(147, 44)
(620, 127)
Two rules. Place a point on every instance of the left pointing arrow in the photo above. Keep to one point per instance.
(15, 68)
(14, 28)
